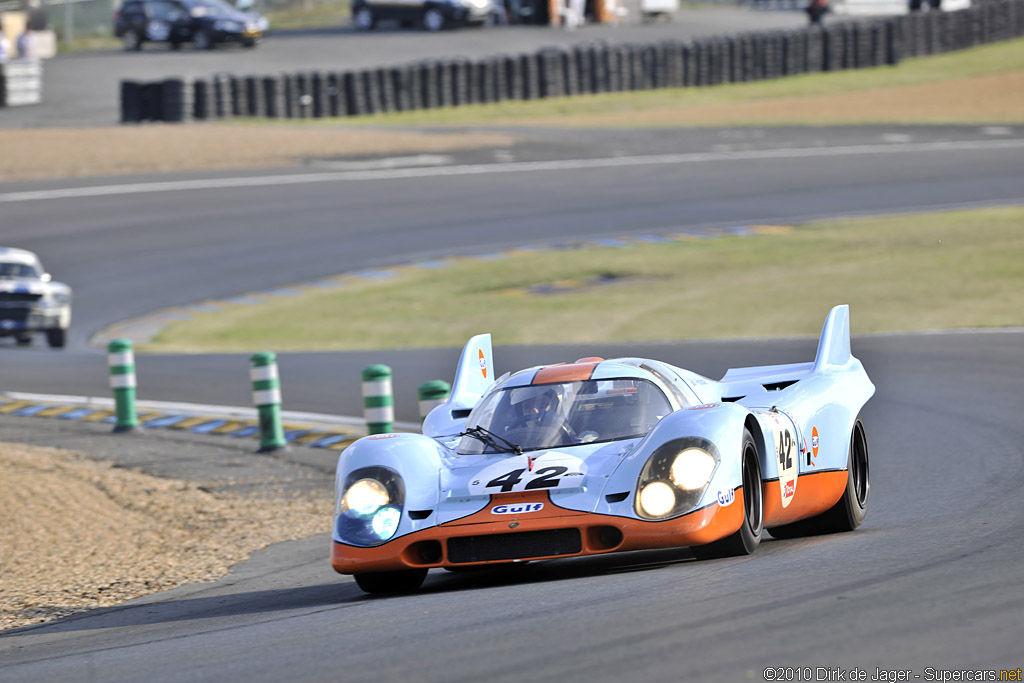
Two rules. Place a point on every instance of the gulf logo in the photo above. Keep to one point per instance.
(725, 498)
(483, 363)
(814, 441)
(521, 509)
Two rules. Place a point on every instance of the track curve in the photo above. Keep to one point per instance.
(932, 579)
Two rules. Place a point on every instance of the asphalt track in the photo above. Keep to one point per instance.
(932, 579)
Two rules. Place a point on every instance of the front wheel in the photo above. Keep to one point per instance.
(746, 540)
(56, 337)
(24, 339)
(433, 20)
(391, 582)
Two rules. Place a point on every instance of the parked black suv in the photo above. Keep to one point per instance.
(204, 23)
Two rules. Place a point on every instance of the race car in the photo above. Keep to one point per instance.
(30, 301)
(601, 456)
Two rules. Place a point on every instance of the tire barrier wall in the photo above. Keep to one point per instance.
(585, 69)
(21, 82)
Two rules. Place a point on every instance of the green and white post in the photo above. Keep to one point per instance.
(266, 396)
(378, 403)
(432, 394)
(121, 362)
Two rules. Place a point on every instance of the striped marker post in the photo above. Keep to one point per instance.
(433, 394)
(121, 362)
(378, 403)
(266, 396)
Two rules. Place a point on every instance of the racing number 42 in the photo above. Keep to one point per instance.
(785, 450)
(545, 477)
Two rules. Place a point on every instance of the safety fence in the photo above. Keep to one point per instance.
(587, 69)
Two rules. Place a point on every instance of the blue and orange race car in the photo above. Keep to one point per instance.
(601, 456)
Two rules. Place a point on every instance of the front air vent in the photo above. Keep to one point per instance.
(419, 514)
(779, 386)
(616, 497)
(519, 546)
(732, 399)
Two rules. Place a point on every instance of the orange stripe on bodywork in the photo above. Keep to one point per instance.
(576, 372)
(697, 528)
(815, 493)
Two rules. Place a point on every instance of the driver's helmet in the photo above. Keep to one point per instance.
(539, 408)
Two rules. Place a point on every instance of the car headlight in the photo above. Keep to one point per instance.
(370, 506)
(60, 298)
(673, 480)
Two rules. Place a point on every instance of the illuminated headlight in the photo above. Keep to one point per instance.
(674, 478)
(692, 469)
(369, 509)
(365, 497)
(657, 499)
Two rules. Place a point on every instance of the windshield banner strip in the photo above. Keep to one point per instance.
(577, 372)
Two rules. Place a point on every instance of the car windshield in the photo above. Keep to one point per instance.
(541, 416)
(11, 270)
(211, 8)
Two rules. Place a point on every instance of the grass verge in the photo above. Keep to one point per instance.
(899, 273)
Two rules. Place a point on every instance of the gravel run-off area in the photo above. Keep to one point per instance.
(94, 527)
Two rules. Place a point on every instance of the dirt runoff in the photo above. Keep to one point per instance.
(80, 534)
(41, 153)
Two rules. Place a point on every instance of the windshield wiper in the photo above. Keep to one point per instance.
(489, 438)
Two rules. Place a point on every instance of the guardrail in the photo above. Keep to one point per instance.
(21, 82)
(587, 69)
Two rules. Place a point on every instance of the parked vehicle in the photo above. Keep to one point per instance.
(30, 301)
(204, 23)
(433, 15)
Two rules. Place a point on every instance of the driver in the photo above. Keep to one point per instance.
(537, 410)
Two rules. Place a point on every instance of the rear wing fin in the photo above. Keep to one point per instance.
(473, 377)
(834, 344)
(833, 352)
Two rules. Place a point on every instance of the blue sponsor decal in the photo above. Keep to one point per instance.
(518, 509)
(725, 498)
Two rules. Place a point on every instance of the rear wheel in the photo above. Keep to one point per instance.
(849, 512)
(56, 337)
(746, 540)
(364, 19)
(391, 582)
(131, 40)
(433, 20)
(203, 40)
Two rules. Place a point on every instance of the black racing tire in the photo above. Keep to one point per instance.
(175, 45)
(131, 40)
(57, 337)
(433, 20)
(23, 339)
(403, 581)
(849, 512)
(935, 4)
(748, 537)
(915, 5)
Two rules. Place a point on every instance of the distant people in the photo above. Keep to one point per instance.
(5, 46)
(816, 10)
(26, 44)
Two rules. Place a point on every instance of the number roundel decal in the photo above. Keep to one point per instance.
(786, 455)
(550, 471)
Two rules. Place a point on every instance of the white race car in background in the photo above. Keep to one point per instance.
(30, 301)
